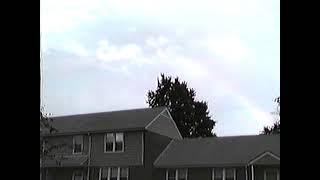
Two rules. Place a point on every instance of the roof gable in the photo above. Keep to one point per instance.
(267, 158)
(163, 124)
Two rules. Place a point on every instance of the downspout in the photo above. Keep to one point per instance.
(89, 157)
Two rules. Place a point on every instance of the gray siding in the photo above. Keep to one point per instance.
(199, 173)
(154, 145)
(62, 173)
(131, 156)
(67, 142)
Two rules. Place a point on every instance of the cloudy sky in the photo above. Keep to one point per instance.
(103, 55)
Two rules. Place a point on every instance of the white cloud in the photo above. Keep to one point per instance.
(108, 53)
(129, 53)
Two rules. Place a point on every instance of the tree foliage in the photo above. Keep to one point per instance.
(275, 128)
(191, 116)
(46, 148)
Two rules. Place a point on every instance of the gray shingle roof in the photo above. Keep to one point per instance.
(220, 151)
(134, 119)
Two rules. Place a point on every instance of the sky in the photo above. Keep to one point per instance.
(104, 55)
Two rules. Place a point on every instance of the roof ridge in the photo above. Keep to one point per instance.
(102, 112)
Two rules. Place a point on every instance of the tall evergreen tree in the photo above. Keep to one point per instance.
(191, 116)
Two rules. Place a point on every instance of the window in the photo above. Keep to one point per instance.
(109, 142)
(177, 174)
(77, 144)
(77, 175)
(104, 174)
(271, 174)
(114, 142)
(182, 174)
(218, 174)
(230, 174)
(114, 173)
(124, 175)
(224, 174)
(119, 141)
(171, 174)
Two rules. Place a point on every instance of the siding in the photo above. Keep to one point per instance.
(132, 155)
(201, 173)
(154, 145)
(68, 147)
(63, 173)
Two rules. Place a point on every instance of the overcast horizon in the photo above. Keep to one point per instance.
(101, 55)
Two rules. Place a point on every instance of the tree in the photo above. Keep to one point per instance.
(275, 128)
(191, 116)
(45, 127)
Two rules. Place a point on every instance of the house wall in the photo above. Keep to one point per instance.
(201, 173)
(154, 145)
(67, 144)
(259, 171)
(132, 155)
(62, 173)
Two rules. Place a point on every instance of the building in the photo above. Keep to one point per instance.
(145, 144)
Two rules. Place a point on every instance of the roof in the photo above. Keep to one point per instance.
(124, 120)
(71, 161)
(218, 151)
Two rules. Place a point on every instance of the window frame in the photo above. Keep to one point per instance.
(74, 144)
(176, 173)
(109, 172)
(113, 142)
(74, 172)
(224, 173)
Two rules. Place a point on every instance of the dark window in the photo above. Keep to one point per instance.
(104, 173)
(230, 174)
(182, 174)
(171, 174)
(123, 173)
(218, 174)
(77, 144)
(77, 175)
(109, 142)
(119, 142)
(114, 173)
